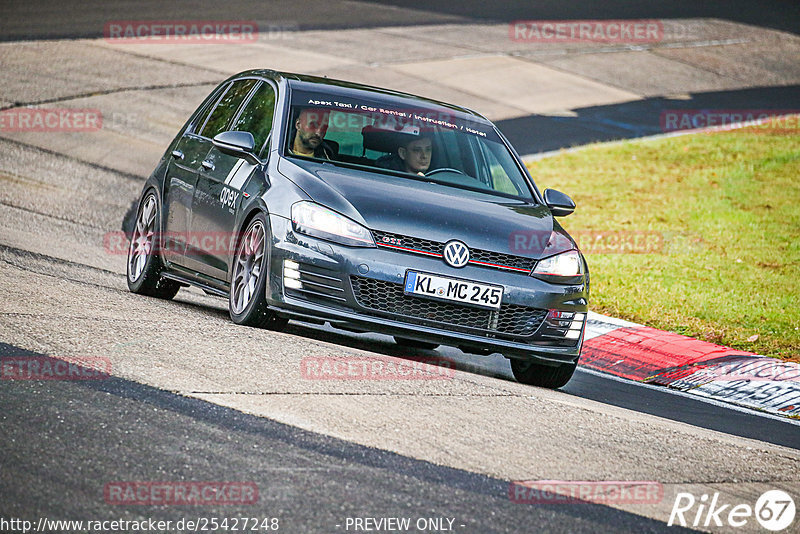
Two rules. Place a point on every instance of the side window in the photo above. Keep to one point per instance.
(256, 117)
(226, 107)
(198, 123)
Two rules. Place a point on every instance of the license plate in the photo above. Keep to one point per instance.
(453, 289)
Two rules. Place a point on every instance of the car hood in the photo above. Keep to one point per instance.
(428, 210)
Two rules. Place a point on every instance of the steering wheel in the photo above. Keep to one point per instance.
(443, 169)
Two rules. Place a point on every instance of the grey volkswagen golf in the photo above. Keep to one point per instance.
(306, 198)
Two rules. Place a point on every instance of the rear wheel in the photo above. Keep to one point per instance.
(546, 376)
(414, 344)
(247, 301)
(144, 260)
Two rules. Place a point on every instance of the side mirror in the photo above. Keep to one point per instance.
(239, 144)
(559, 203)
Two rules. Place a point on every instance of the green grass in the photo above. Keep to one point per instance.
(728, 207)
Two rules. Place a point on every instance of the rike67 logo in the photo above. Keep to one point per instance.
(774, 510)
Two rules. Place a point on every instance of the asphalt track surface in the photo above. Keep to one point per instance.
(62, 441)
(630, 120)
(595, 386)
(311, 482)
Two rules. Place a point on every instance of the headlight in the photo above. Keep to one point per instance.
(318, 221)
(565, 264)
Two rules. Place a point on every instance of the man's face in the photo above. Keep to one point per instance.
(417, 155)
(311, 127)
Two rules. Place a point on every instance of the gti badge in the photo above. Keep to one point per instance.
(391, 240)
(456, 254)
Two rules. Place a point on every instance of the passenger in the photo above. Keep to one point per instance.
(414, 156)
(309, 140)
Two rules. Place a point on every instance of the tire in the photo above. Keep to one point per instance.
(144, 263)
(247, 300)
(545, 376)
(414, 344)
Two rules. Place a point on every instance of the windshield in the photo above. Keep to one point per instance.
(433, 144)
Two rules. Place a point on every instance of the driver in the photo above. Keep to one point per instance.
(311, 126)
(416, 155)
(413, 156)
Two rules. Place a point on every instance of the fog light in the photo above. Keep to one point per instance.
(577, 323)
(291, 275)
(291, 283)
(564, 324)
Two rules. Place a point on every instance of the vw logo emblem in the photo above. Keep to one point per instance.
(456, 254)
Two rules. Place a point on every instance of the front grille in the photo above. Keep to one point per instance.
(426, 245)
(498, 258)
(519, 320)
(388, 298)
(416, 245)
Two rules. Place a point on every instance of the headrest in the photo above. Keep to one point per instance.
(379, 140)
(386, 139)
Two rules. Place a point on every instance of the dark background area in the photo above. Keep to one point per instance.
(85, 19)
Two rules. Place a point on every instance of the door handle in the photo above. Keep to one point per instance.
(177, 154)
(208, 165)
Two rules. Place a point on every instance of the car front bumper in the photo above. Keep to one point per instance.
(362, 289)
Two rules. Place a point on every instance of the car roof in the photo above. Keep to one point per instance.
(343, 87)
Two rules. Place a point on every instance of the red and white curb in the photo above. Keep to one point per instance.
(643, 354)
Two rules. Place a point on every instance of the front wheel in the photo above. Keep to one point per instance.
(247, 301)
(545, 376)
